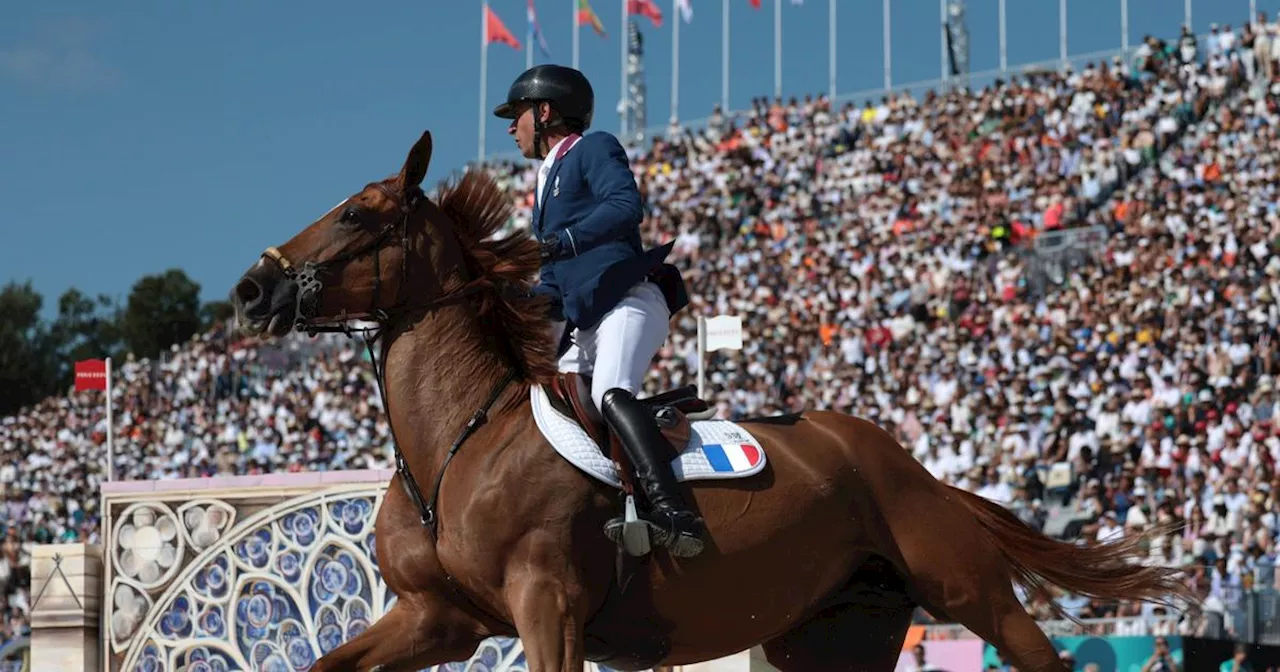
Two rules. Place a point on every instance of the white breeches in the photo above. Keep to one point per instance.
(617, 351)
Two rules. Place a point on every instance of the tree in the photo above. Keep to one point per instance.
(162, 310)
(27, 365)
(215, 312)
(85, 329)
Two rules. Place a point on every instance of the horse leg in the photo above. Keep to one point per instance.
(846, 638)
(962, 575)
(412, 636)
(549, 616)
(864, 632)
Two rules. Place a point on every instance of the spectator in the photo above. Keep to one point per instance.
(879, 256)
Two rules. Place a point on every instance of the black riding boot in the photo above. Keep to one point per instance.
(670, 522)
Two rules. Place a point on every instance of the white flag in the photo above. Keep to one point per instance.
(723, 333)
(686, 10)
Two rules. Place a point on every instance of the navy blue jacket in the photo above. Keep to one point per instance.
(591, 209)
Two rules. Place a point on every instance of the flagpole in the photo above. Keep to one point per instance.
(622, 109)
(702, 354)
(724, 62)
(484, 71)
(1062, 31)
(1004, 38)
(942, 39)
(111, 456)
(777, 48)
(528, 51)
(574, 3)
(1124, 28)
(831, 43)
(1187, 11)
(675, 61)
(888, 48)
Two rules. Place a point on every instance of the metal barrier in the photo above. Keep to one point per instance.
(1251, 616)
(1096, 627)
(1256, 617)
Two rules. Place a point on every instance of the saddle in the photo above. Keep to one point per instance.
(570, 393)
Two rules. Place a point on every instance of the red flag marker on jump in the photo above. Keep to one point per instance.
(95, 374)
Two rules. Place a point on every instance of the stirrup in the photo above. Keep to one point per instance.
(630, 531)
(633, 533)
(682, 544)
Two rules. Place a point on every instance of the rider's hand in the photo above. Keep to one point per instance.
(550, 249)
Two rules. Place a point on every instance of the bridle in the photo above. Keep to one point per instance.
(307, 277)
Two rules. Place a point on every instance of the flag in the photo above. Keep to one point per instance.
(645, 8)
(731, 457)
(495, 31)
(535, 32)
(91, 374)
(686, 10)
(755, 3)
(723, 332)
(588, 16)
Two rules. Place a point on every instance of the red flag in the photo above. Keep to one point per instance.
(755, 3)
(645, 8)
(495, 31)
(91, 374)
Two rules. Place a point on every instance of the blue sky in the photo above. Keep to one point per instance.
(137, 137)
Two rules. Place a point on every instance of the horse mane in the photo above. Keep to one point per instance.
(508, 266)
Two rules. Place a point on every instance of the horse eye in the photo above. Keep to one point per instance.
(350, 216)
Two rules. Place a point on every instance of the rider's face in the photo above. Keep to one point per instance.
(521, 128)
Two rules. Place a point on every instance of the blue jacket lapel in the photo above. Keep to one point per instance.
(548, 192)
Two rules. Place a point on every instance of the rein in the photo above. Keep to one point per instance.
(307, 278)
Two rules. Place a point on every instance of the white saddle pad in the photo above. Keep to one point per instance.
(718, 449)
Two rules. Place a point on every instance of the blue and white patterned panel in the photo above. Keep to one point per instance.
(273, 592)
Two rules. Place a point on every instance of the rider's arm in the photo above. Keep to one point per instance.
(618, 209)
(555, 304)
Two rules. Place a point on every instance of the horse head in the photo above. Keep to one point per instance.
(389, 250)
(355, 262)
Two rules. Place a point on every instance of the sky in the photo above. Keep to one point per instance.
(138, 137)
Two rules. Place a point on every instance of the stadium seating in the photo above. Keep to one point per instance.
(883, 259)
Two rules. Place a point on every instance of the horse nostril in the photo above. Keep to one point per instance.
(248, 292)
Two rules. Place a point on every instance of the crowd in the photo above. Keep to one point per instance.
(880, 257)
(213, 406)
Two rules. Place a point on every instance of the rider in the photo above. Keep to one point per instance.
(615, 299)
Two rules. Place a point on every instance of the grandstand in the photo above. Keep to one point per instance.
(1058, 291)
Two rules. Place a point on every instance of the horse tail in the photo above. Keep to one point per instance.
(1108, 570)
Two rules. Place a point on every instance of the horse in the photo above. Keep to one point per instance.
(821, 557)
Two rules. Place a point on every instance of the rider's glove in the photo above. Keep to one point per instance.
(550, 249)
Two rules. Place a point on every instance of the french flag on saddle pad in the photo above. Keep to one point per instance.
(731, 457)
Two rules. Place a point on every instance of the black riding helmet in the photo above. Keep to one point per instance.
(567, 90)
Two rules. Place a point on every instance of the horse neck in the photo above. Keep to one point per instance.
(439, 372)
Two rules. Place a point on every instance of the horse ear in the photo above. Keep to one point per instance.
(415, 167)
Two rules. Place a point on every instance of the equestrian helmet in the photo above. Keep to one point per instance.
(566, 89)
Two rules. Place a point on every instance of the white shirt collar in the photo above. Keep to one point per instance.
(548, 162)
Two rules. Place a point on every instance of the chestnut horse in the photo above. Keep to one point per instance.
(821, 557)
